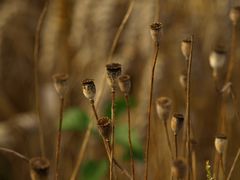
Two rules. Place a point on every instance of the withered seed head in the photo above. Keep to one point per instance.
(235, 15)
(217, 59)
(164, 108)
(60, 83)
(179, 168)
(89, 89)
(113, 72)
(124, 83)
(105, 127)
(183, 80)
(177, 123)
(40, 166)
(156, 30)
(220, 143)
(186, 48)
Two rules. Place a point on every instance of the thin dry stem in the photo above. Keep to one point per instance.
(168, 140)
(233, 165)
(36, 75)
(59, 137)
(176, 145)
(149, 112)
(129, 137)
(14, 153)
(222, 166)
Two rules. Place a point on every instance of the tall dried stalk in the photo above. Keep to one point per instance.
(149, 111)
(233, 165)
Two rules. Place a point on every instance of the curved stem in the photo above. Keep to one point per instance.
(10, 151)
(149, 112)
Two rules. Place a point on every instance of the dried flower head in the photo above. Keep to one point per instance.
(235, 15)
(220, 143)
(124, 83)
(113, 72)
(156, 30)
(183, 80)
(89, 89)
(179, 169)
(164, 108)
(39, 167)
(60, 83)
(177, 122)
(105, 127)
(217, 60)
(186, 46)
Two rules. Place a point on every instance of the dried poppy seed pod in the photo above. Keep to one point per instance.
(89, 89)
(164, 108)
(105, 127)
(124, 83)
(183, 80)
(186, 48)
(39, 168)
(235, 15)
(217, 59)
(60, 83)
(179, 169)
(156, 31)
(220, 143)
(177, 123)
(113, 72)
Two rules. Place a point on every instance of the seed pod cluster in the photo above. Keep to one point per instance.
(220, 143)
(164, 108)
(60, 83)
(156, 30)
(124, 83)
(89, 89)
(177, 123)
(179, 169)
(105, 127)
(113, 72)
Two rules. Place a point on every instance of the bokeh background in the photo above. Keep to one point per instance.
(76, 39)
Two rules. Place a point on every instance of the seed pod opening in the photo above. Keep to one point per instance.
(60, 83)
(113, 72)
(39, 168)
(179, 169)
(105, 127)
(220, 143)
(235, 15)
(186, 48)
(177, 123)
(164, 108)
(156, 30)
(89, 89)
(124, 83)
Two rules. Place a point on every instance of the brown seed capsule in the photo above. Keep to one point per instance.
(164, 108)
(177, 123)
(183, 80)
(217, 59)
(220, 143)
(186, 48)
(39, 168)
(89, 89)
(60, 83)
(179, 169)
(235, 15)
(105, 127)
(124, 83)
(156, 31)
(113, 72)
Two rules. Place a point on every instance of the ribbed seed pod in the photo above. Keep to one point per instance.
(89, 89)
(235, 15)
(177, 123)
(217, 60)
(179, 169)
(113, 72)
(164, 108)
(220, 143)
(39, 168)
(105, 127)
(156, 30)
(186, 48)
(60, 83)
(124, 83)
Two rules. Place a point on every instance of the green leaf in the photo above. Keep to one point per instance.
(75, 119)
(93, 170)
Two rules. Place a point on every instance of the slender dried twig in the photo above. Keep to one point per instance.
(222, 166)
(10, 151)
(149, 111)
(168, 139)
(233, 165)
(176, 145)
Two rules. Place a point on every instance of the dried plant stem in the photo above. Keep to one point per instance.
(234, 99)
(149, 111)
(59, 137)
(176, 145)
(168, 139)
(188, 120)
(129, 137)
(113, 132)
(217, 167)
(12, 152)
(222, 166)
(120, 29)
(233, 165)
(36, 75)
